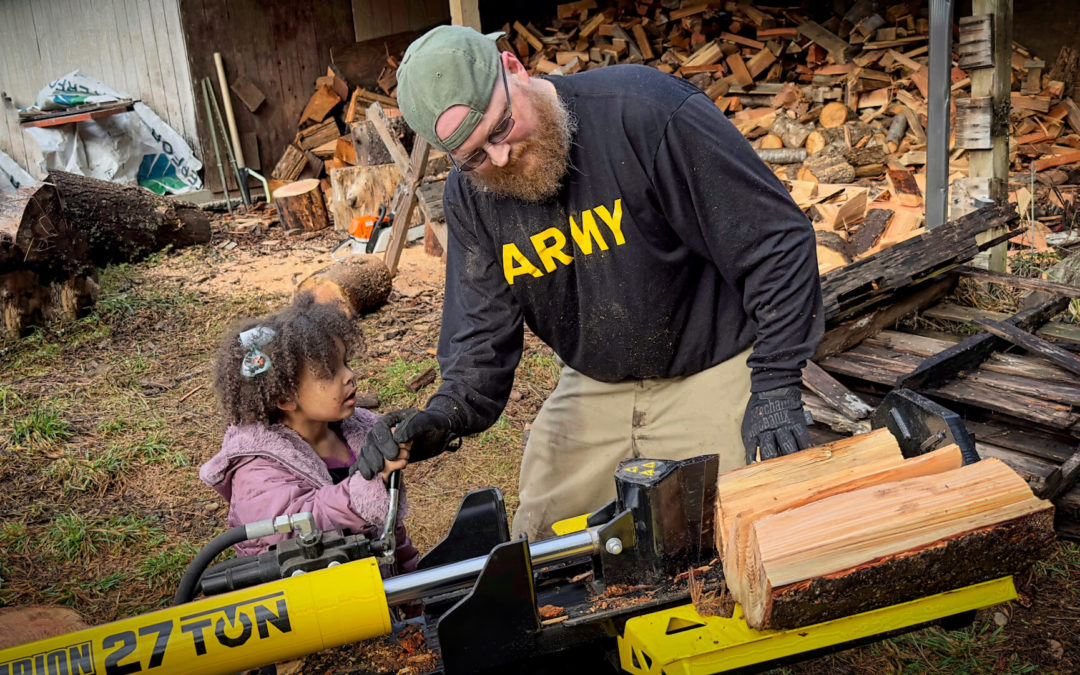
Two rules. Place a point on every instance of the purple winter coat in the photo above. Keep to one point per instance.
(265, 471)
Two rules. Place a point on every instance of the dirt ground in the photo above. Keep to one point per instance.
(104, 423)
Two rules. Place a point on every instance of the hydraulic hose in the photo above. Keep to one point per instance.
(188, 584)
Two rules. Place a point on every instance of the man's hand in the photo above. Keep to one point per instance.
(776, 423)
(428, 431)
(380, 446)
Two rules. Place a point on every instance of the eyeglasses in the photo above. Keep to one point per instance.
(498, 134)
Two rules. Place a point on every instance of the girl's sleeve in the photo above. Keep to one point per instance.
(264, 489)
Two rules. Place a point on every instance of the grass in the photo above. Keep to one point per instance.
(165, 568)
(75, 537)
(42, 426)
(390, 381)
(1063, 564)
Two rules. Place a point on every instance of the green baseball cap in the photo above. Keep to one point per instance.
(447, 66)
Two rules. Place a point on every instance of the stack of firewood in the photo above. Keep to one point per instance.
(835, 104)
(323, 141)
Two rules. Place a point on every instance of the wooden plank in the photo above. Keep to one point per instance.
(169, 81)
(833, 393)
(848, 290)
(412, 176)
(1028, 441)
(184, 83)
(1062, 479)
(838, 48)
(973, 351)
(1032, 343)
(885, 368)
(377, 116)
(973, 118)
(851, 332)
(1019, 282)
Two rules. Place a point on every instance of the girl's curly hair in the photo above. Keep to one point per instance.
(305, 333)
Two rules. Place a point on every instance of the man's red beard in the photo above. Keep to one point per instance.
(536, 166)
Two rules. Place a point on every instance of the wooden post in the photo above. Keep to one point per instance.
(995, 82)
(465, 13)
(404, 207)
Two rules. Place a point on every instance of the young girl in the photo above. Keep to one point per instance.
(294, 432)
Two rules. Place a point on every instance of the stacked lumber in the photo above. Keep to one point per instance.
(853, 526)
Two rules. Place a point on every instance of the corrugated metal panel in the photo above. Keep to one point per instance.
(134, 46)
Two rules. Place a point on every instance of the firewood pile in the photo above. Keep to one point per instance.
(836, 105)
(323, 140)
(905, 317)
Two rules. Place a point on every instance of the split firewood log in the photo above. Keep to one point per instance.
(735, 489)
(833, 251)
(124, 223)
(887, 544)
(805, 489)
(830, 165)
(360, 283)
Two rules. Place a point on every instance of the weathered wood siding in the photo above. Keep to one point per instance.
(134, 46)
(379, 18)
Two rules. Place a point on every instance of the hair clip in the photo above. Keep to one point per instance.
(255, 361)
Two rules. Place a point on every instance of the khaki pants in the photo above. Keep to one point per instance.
(586, 427)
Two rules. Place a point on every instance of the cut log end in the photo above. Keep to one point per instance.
(359, 283)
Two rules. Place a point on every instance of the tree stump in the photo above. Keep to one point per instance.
(125, 223)
(361, 283)
(301, 205)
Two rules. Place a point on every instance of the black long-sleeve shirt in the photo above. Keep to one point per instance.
(669, 248)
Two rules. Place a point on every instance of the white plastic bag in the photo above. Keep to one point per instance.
(137, 147)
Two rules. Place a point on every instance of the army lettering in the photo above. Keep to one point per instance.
(551, 245)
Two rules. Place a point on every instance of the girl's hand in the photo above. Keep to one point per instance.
(390, 466)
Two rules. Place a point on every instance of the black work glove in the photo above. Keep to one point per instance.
(430, 433)
(379, 445)
(775, 422)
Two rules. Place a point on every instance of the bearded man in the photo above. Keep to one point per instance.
(625, 220)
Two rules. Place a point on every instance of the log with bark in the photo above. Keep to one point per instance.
(301, 206)
(45, 267)
(125, 223)
(360, 283)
